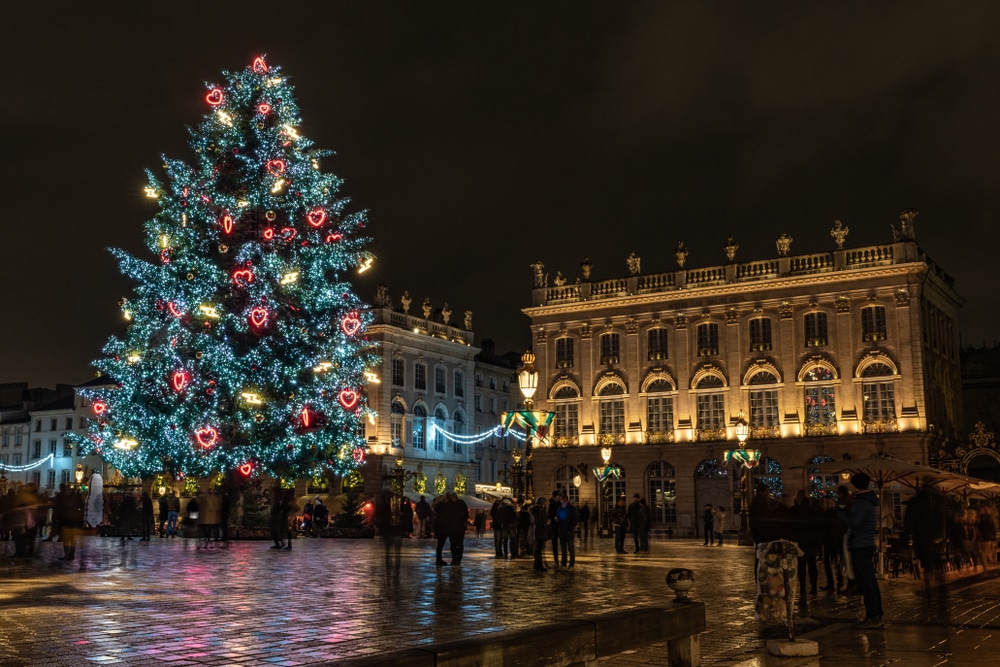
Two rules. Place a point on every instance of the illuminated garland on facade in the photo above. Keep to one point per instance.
(31, 466)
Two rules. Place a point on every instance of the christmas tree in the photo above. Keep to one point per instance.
(245, 345)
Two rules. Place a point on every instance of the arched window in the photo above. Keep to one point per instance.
(662, 492)
(878, 392)
(763, 402)
(659, 407)
(821, 407)
(822, 485)
(564, 482)
(566, 426)
(459, 432)
(440, 421)
(419, 426)
(769, 472)
(711, 404)
(612, 413)
(396, 423)
(711, 469)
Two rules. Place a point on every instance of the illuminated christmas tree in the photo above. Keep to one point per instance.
(245, 345)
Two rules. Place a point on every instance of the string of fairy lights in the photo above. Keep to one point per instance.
(495, 432)
(30, 466)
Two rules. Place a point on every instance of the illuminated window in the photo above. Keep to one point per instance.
(760, 334)
(659, 407)
(708, 339)
(612, 411)
(815, 325)
(564, 353)
(662, 492)
(398, 374)
(420, 376)
(656, 343)
(873, 323)
(609, 348)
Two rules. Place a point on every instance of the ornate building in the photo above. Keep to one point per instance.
(433, 400)
(830, 355)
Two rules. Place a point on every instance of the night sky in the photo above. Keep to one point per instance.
(483, 139)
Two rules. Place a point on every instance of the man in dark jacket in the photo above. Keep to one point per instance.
(862, 529)
(634, 513)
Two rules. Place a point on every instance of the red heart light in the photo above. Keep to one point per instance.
(165, 255)
(348, 398)
(243, 277)
(268, 234)
(259, 66)
(263, 108)
(180, 380)
(207, 436)
(215, 97)
(351, 323)
(305, 417)
(246, 469)
(316, 217)
(288, 233)
(258, 316)
(100, 407)
(276, 167)
(333, 236)
(358, 455)
(227, 223)
(174, 310)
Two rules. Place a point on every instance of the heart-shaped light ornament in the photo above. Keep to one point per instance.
(180, 380)
(227, 223)
(99, 407)
(276, 167)
(348, 399)
(316, 217)
(215, 97)
(246, 469)
(207, 436)
(243, 277)
(258, 317)
(351, 323)
(259, 66)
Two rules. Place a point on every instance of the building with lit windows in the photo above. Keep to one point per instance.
(434, 404)
(831, 355)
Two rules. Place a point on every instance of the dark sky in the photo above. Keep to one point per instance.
(483, 139)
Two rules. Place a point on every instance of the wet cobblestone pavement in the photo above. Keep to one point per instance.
(166, 602)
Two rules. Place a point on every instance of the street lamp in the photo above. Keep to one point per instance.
(535, 422)
(747, 459)
(78, 474)
(607, 503)
(397, 479)
(518, 473)
(3, 484)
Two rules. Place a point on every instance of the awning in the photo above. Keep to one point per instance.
(475, 503)
(415, 497)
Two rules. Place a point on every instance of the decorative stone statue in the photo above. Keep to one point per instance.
(585, 266)
(559, 280)
(382, 299)
(681, 253)
(468, 320)
(633, 262)
(406, 301)
(784, 244)
(539, 269)
(427, 308)
(731, 247)
(839, 233)
(906, 232)
(445, 313)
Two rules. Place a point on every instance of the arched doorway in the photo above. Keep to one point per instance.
(712, 486)
(984, 466)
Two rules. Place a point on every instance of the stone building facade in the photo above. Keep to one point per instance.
(832, 355)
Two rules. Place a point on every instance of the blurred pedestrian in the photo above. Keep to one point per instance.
(862, 528)
(720, 524)
(423, 512)
(619, 522)
(145, 516)
(539, 530)
(708, 522)
(71, 513)
(388, 523)
(584, 516)
(127, 515)
(645, 525)
(163, 507)
(635, 520)
(567, 520)
(320, 516)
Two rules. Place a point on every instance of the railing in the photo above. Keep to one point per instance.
(811, 263)
(873, 256)
(611, 439)
(609, 288)
(820, 430)
(869, 426)
(566, 441)
(711, 276)
(709, 434)
(757, 270)
(658, 437)
(820, 262)
(765, 432)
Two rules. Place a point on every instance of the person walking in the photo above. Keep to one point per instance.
(833, 530)
(71, 523)
(388, 525)
(645, 524)
(634, 515)
(127, 513)
(708, 522)
(584, 515)
(145, 516)
(278, 519)
(862, 528)
(539, 530)
(567, 518)
(720, 524)
(506, 515)
(619, 521)
(321, 516)
(554, 525)
(423, 512)
(806, 518)
(173, 512)
(162, 507)
(405, 518)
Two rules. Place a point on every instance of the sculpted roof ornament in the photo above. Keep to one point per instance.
(731, 247)
(585, 267)
(839, 233)
(681, 253)
(906, 231)
(784, 244)
(633, 262)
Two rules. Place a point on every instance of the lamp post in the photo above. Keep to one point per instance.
(397, 479)
(517, 473)
(607, 503)
(3, 484)
(535, 422)
(747, 459)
